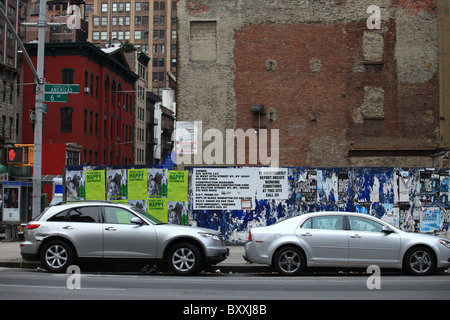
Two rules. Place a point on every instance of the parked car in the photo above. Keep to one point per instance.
(338, 239)
(67, 234)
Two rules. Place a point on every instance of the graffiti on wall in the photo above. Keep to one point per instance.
(412, 199)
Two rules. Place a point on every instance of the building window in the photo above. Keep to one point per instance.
(104, 7)
(66, 119)
(85, 120)
(67, 75)
(96, 123)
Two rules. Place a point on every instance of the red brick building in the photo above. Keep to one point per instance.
(100, 117)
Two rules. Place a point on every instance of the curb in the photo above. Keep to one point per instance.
(225, 268)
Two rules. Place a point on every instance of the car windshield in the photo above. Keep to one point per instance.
(147, 216)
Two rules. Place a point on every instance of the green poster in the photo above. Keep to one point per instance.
(177, 185)
(137, 183)
(95, 184)
(157, 207)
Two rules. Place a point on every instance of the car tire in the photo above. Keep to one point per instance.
(289, 261)
(56, 256)
(184, 259)
(419, 261)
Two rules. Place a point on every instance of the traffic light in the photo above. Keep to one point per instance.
(15, 155)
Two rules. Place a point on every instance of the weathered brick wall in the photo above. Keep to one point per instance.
(339, 93)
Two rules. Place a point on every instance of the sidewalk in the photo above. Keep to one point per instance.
(10, 257)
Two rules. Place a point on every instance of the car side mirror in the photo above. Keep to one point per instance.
(386, 230)
(137, 220)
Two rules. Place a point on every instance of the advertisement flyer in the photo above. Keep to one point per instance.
(177, 186)
(11, 202)
(95, 184)
(137, 183)
(157, 207)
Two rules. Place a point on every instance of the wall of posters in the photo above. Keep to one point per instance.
(143, 187)
(234, 199)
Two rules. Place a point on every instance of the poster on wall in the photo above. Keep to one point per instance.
(157, 207)
(116, 185)
(223, 188)
(177, 188)
(307, 186)
(157, 182)
(272, 183)
(186, 137)
(431, 220)
(177, 212)
(137, 183)
(75, 185)
(11, 202)
(95, 184)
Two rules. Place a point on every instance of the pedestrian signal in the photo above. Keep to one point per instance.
(15, 155)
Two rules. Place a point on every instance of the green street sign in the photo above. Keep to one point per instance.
(62, 88)
(55, 97)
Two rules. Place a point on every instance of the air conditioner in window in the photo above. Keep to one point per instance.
(87, 89)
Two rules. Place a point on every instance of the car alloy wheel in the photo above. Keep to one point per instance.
(289, 261)
(56, 256)
(185, 259)
(419, 261)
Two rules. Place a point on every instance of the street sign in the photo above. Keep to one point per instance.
(55, 97)
(62, 88)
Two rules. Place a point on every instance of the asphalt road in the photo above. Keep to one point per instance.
(18, 284)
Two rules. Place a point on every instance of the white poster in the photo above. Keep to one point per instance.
(223, 188)
(186, 137)
(272, 183)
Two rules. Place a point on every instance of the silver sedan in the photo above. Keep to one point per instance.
(342, 239)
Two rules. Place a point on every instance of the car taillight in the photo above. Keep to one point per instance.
(33, 226)
(249, 236)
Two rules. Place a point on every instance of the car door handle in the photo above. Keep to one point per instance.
(306, 234)
(110, 229)
(355, 236)
(68, 228)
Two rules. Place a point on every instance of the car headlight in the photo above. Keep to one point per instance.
(444, 242)
(209, 236)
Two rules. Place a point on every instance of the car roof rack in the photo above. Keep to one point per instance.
(83, 201)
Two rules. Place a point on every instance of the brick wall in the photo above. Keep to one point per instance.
(339, 93)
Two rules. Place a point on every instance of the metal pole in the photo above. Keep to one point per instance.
(37, 170)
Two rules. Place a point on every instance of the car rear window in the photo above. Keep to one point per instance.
(88, 214)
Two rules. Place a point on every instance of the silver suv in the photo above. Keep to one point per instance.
(100, 231)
